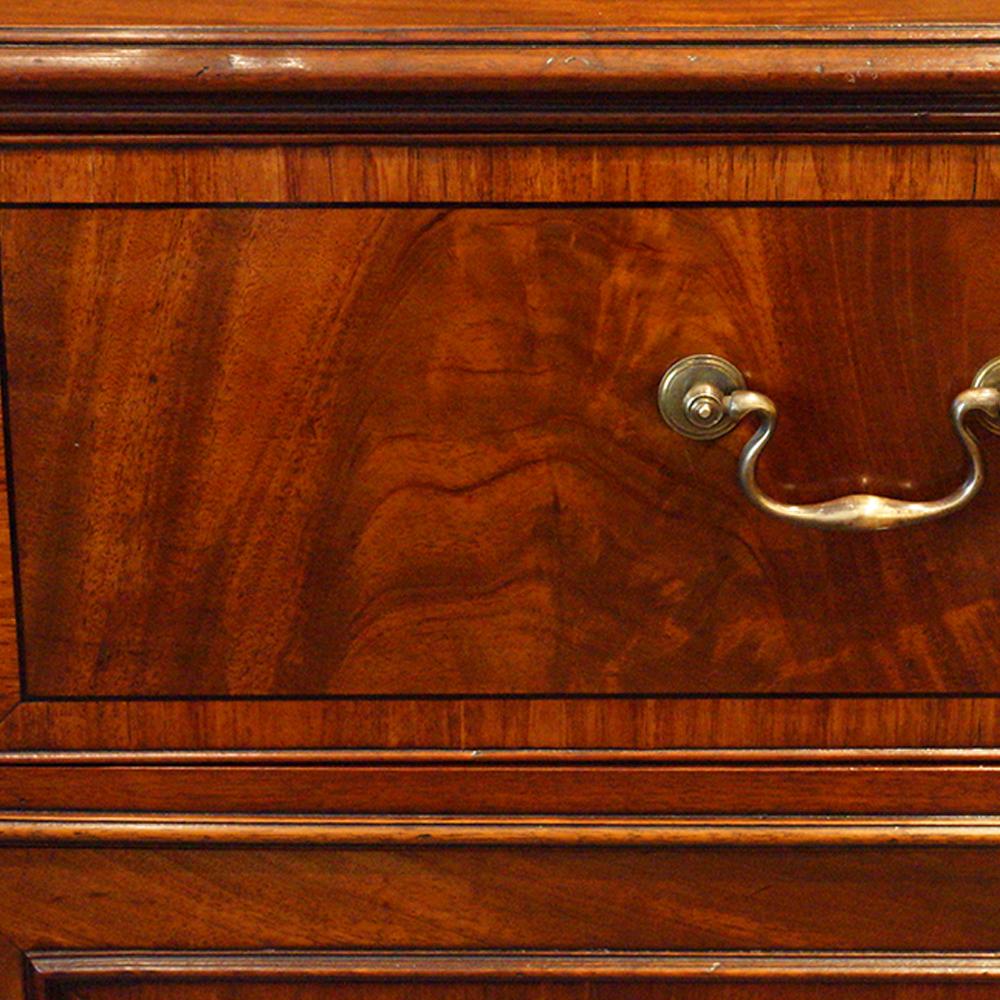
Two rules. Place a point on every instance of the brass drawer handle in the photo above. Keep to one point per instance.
(704, 397)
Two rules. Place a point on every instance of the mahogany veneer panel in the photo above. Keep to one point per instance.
(417, 452)
(571, 722)
(735, 897)
(536, 172)
(10, 676)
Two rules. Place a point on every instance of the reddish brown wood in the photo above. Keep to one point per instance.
(388, 785)
(376, 967)
(10, 677)
(456, 74)
(470, 66)
(395, 435)
(582, 14)
(536, 172)
(451, 72)
(12, 970)
(428, 498)
(520, 722)
(536, 898)
(168, 830)
(513, 976)
(199, 120)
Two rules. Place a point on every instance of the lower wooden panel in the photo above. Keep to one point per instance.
(882, 897)
(430, 908)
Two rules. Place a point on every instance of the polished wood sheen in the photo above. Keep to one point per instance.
(293, 174)
(364, 632)
(733, 896)
(10, 673)
(638, 73)
(501, 976)
(498, 966)
(498, 784)
(728, 913)
(219, 725)
(416, 452)
(442, 13)
(511, 976)
(469, 831)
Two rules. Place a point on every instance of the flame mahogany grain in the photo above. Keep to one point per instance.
(732, 896)
(377, 640)
(415, 452)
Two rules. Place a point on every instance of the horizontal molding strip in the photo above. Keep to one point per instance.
(771, 86)
(588, 69)
(398, 784)
(54, 967)
(858, 33)
(695, 757)
(456, 831)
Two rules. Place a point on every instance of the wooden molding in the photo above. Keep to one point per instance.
(471, 66)
(505, 782)
(50, 968)
(83, 829)
(499, 757)
(709, 85)
(710, 29)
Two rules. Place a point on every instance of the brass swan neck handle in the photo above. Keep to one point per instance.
(704, 397)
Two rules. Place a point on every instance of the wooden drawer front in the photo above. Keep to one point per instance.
(647, 898)
(200, 919)
(417, 451)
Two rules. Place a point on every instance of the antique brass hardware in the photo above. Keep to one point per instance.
(703, 396)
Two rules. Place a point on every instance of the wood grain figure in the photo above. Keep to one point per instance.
(365, 633)
(452, 478)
